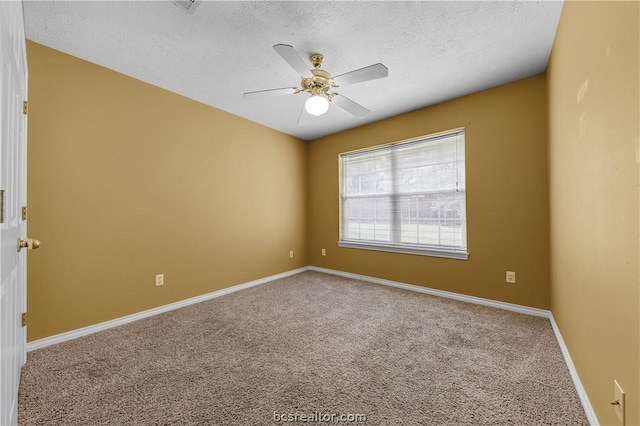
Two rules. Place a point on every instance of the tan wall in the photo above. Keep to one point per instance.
(507, 196)
(594, 183)
(126, 180)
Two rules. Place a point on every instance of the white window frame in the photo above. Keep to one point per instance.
(458, 251)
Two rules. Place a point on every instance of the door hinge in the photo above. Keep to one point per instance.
(24, 319)
(3, 194)
(25, 107)
(24, 213)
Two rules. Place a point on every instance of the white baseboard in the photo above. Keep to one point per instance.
(74, 334)
(582, 394)
(440, 293)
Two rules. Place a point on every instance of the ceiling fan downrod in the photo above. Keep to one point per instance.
(321, 82)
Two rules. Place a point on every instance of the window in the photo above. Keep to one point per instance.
(407, 197)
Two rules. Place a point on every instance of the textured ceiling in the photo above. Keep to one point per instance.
(435, 51)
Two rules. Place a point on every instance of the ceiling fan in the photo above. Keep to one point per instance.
(320, 82)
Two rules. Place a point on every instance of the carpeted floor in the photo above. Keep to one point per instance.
(308, 345)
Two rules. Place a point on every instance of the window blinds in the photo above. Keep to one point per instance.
(407, 197)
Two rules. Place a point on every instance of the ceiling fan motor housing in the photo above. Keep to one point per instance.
(319, 84)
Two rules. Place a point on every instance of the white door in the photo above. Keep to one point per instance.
(13, 91)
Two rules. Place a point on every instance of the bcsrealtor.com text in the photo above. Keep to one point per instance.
(317, 417)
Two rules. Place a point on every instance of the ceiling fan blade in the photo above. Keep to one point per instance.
(304, 117)
(363, 74)
(270, 93)
(350, 106)
(292, 57)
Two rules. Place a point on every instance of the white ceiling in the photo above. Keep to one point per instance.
(435, 50)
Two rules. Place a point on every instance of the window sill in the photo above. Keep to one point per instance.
(433, 252)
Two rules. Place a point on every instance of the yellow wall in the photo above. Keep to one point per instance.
(507, 196)
(594, 184)
(126, 180)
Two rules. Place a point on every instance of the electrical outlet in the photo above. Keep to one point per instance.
(324, 252)
(511, 277)
(291, 253)
(618, 402)
(159, 280)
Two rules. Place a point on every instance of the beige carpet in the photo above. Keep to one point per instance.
(308, 345)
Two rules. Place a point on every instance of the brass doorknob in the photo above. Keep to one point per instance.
(28, 243)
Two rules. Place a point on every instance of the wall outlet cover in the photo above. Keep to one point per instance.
(618, 396)
(511, 277)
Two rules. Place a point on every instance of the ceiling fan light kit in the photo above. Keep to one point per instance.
(316, 105)
(320, 82)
